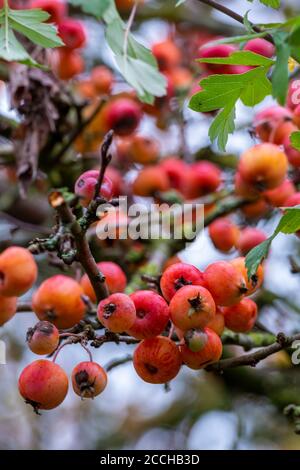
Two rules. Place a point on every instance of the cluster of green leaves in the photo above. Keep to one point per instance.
(288, 224)
(135, 62)
(29, 23)
(269, 3)
(269, 77)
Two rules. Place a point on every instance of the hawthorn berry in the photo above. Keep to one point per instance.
(18, 271)
(277, 196)
(43, 384)
(220, 50)
(263, 166)
(89, 379)
(149, 181)
(249, 238)
(102, 79)
(157, 360)
(192, 307)
(207, 176)
(224, 234)
(210, 352)
(167, 54)
(115, 279)
(123, 115)
(241, 317)
(152, 314)
(217, 324)
(195, 339)
(72, 33)
(8, 308)
(178, 275)
(117, 313)
(266, 121)
(86, 184)
(260, 46)
(256, 279)
(59, 301)
(57, 9)
(225, 283)
(143, 150)
(43, 338)
(67, 63)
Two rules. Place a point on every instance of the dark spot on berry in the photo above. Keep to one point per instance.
(151, 369)
(109, 309)
(181, 282)
(141, 313)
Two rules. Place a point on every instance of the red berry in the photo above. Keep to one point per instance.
(267, 120)
(67, 63)
(217, 324)
(167, 54)
(260, 46)
(102, 79)
(176, 171)
(89, 379)
(123, 115)
(43, 338)
(114, 276)
(86, 184)
(256, 280)
(207, 176)
(241, 317)
(224, 234)
(293, 200)
(225, 283)
(149, 181)
(8, 308)
(277, 196)
(72, 33)
(178, 275)
(249, 238)
(152, 314)
(211, 351)
(57, 9)
(220, 50)
(117, 313)
(43, 384)
(192, 307)
(59, 300)
(157, 360)
(18, 271)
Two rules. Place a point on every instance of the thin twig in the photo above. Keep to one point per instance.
(252, 359)
(117, 362)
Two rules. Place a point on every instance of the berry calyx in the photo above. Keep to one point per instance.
(192, 307)
(210, 352)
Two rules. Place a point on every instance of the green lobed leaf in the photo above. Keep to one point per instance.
(240, 58)
(295, 140)
(290, 221)
(12, 50)
(96, 8)
(269, 3)
(280, 75)
(256, 256)
(223, 91)
(30, 24)
(237, 39)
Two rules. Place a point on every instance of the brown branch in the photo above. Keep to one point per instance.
(105, 160)
(117, 362)
(252, 359)
(232, 14)
(84, 255)
(24, 307)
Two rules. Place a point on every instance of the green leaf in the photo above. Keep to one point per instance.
(269, 3)
(295, 140)
(222, 126)
(237, 39)
(223, 91)
(280, 76)
(12, 50)
(136, 63)
(247, 23)
(288, 224)
(96, 8)
(30, 24)
(255, 257)
(240, 58)
(179, 2)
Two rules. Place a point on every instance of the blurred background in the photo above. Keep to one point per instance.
(240, 409)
